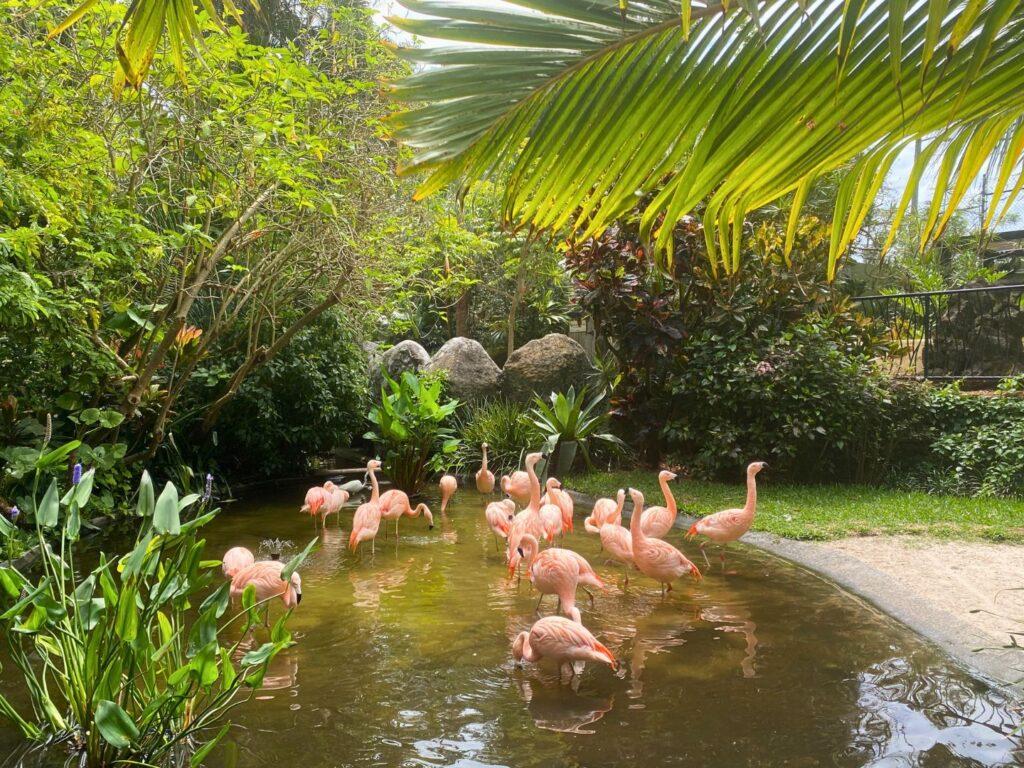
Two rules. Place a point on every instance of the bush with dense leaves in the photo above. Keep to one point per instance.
(307, 400)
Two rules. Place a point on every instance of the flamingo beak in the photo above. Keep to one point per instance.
(697, 575)
(298, 598)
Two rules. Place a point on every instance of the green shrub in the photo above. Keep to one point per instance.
(410, 429)
(569, 419)
(308, 399)
(126, 663)
(504, 426)
(798, 400)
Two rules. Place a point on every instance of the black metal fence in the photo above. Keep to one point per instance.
(967, 333)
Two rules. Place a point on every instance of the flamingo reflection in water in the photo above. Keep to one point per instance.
(556, 708)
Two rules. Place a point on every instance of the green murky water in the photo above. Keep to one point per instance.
(403, 660)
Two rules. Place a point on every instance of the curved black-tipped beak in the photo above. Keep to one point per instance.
(275, 555)
(430, 527)
(298, 598)
(520, 551)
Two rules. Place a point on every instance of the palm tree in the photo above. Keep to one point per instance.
(588, 107)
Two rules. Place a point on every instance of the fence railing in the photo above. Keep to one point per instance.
(965, 333)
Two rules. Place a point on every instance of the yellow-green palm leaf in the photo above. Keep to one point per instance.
(588, 106)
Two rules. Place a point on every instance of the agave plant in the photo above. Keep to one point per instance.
(588, 106)
(568, 421)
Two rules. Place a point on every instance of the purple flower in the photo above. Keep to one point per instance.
(209, 487)
(76, 474)
(14, 514)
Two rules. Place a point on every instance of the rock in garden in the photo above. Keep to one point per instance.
(470, 373)
(552, 363)
(404, 356)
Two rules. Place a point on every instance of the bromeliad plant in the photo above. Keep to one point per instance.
(127, 662)
(570, 422)
(410, 430)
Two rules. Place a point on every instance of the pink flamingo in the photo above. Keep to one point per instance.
(555, 495)
(265, 576)
(605, 512)
(564, 642)
(336, 499)
(395, 504)
(517, 486)
(528, 520)
(316, 498)
(449, 485)
(653, 557)
(658, 521)
(499, 516)
(556, 571)
(729, 524)
(236, 559)
(366, 521)
(484, 476)
(551, 521)
(618, 543)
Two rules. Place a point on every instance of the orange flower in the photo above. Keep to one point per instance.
(187, 334)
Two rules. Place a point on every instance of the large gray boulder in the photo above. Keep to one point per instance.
(404, 356)
(552, 363)
(470, 373)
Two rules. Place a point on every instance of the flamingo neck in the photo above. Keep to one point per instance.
(375, 493)
(483, 466)
(751, 506)
(534, 488)
(620, 503)
(636, 530)
(528, 653)
(670, 500)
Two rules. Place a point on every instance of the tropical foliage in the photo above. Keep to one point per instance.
(569, 421)
(412, 429)
(159, 250)
(134, 659)
(582, 107)
(508, 431)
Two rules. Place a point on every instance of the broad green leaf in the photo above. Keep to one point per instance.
(165, 515)
(47, 513)
(116, 728)
(147, 499)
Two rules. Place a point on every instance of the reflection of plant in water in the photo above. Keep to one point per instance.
(274, 549)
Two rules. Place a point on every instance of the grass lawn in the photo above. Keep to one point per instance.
(829, 511)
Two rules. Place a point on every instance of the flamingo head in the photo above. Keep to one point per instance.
(329, 486)
(756, 467)
(666, 475)
(620, 497)
(695, 572)
(372, 465)
(427, 514)
(637, 497)
(484, 446)
(294, 592)
(532, 458)
(509, 505)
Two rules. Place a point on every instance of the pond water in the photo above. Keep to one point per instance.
(403, 660)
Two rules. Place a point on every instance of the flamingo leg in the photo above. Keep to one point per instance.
(721, 555)
(537, 609)
(702, 545)
(589, 594)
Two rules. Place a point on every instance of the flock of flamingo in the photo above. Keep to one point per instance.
(553, 570)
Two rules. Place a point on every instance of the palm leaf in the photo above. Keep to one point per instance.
(582, 108)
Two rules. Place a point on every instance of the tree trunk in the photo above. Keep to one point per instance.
(462, 315)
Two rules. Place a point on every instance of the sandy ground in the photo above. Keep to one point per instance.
(972, 581)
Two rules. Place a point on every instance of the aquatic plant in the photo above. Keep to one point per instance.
(507, 430)
(127, 662)
(411, 430)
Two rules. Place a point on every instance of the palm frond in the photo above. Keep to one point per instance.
(585, 108)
